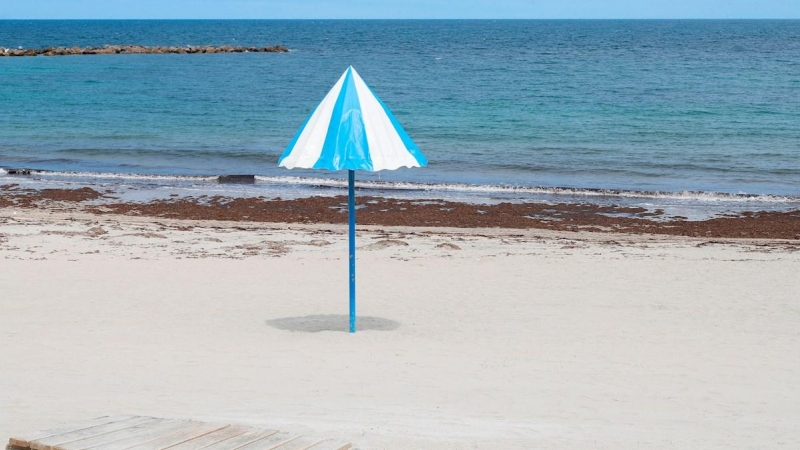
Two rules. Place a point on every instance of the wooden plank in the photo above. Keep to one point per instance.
(49, 442)
(102, 439)
(179, 436)
(243, 439)
(127, 432)
(332, 444)
(211, 438)
(151, 434)
(24, 441)
(271, 442)
(301, 443)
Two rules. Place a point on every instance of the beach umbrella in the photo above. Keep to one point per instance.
(351, 130)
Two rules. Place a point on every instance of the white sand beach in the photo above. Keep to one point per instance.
(489, 339)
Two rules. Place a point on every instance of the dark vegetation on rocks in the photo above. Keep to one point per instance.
(137, 49)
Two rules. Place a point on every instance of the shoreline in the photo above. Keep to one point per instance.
(379, 211)
(15, 173)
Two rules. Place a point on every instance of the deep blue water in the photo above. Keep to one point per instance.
(670, 106)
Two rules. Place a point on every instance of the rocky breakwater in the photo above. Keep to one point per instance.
(137, 49)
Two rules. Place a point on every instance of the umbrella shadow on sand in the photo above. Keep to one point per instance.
(331, 322)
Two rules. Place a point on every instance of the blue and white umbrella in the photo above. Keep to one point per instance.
(352, 129)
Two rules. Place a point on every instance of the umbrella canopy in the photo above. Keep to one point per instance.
(352, 129)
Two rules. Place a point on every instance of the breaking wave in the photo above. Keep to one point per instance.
(522, 191)
(431, 189)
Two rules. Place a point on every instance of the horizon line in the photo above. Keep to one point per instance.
(432, 19)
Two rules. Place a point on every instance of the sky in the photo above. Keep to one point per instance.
(400, 9)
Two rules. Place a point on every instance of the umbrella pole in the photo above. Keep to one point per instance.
(351, 206)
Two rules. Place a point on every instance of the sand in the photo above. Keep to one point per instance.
(470, 338)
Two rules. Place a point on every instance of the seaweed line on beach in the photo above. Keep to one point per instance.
(410, 213)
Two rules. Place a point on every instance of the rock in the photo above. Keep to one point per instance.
(237, 179)
(319, 243)
(385, 243)
(116, 49)
(18, 171)
(96, 231)
(448, 246)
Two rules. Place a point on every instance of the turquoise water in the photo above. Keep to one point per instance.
(687, 109)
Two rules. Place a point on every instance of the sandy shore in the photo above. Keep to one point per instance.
(470, 338)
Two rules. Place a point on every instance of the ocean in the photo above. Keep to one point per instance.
(698, 116)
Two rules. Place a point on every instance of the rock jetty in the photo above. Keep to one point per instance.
(136, 49)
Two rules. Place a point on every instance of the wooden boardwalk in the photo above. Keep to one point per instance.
(151, 433)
